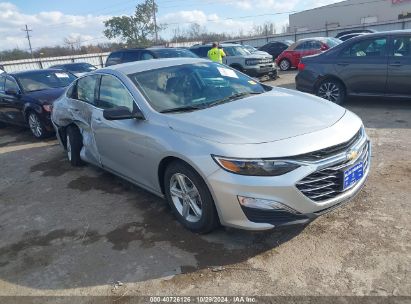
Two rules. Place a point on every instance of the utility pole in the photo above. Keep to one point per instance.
(28, 38)
(155, 20)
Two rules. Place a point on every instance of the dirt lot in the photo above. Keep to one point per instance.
(77, 231)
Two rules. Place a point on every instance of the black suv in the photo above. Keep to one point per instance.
(129, 55)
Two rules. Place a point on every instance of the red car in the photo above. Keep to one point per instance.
(290, 58)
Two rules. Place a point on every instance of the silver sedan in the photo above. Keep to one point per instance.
(219, 146)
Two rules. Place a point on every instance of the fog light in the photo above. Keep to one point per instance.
(265, 204)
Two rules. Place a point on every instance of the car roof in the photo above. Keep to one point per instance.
(150, 49)
(69, 63)
(221, 44)
(18, 73)
(147, 65)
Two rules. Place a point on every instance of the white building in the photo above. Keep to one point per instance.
(350, 13)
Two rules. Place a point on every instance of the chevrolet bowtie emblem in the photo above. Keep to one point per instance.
(351, 155)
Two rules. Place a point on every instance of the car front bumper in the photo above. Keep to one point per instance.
(259, 71)
(226, 187)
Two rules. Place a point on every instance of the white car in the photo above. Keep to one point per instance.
(219, 146)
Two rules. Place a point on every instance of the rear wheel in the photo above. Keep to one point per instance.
(74, 144)
(189, 198)
(37, 127)
(285, 65)
(331, 90)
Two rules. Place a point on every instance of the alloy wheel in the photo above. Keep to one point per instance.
(284, 65)
(35, 125)
(329, 91)
(186, 197)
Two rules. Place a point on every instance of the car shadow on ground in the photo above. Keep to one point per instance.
(12, 135)
(130, 235)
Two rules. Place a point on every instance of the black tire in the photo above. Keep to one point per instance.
(208, 220)
(36, 126)
(2, 125)
(284, 65)
(332, 90)
(74, 143)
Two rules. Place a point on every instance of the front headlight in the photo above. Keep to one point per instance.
(255, 167)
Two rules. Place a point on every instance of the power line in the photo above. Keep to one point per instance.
(28, 38)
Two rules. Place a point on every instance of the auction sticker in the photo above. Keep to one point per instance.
(227, 72)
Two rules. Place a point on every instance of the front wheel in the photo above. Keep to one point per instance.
(285, 65)
(189, 198)
(331, 90)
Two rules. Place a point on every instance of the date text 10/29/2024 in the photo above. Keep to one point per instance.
(203, 299)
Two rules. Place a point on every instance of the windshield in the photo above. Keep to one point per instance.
(236, 51)
(172, 53)
(80, 67)
(250, 48)
(43, 80)
(194, 86)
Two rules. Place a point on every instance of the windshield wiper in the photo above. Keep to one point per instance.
(182, 109)
(232, 97)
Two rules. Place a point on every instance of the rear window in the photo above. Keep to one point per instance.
(131, 56)
(172, 53)
(114, 58)
(332, 42)
(201, 51)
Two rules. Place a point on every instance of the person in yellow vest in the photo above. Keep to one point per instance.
(216, 54)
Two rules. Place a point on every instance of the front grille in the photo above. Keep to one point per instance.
(324, 153)
(327, 183)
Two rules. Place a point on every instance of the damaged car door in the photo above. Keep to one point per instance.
(81, 103)
(121, 143)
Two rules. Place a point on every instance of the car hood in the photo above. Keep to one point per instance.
(46, 96)
(272, 116)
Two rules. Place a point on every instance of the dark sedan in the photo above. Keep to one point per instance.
(76, 68)
(130, 55)
(26, 98)
(368, 65)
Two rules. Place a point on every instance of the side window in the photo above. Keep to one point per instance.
(402, 47)
(114, 94)
(72, 91)
(367, 48)
(2, 79)
(11, 85)
(302, 46)
(131, 56)
(86, 88)
(315, 45)
(114, 58)
(146, 56)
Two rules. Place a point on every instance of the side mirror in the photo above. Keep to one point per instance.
(11, 92)
(121, 113)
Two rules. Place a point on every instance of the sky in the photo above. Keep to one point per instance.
(53, 20)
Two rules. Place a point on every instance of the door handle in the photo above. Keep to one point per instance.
(342, 63)
(74, 110)
(396, 64)
(97, 120)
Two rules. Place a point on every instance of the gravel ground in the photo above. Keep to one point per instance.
(78, 231)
